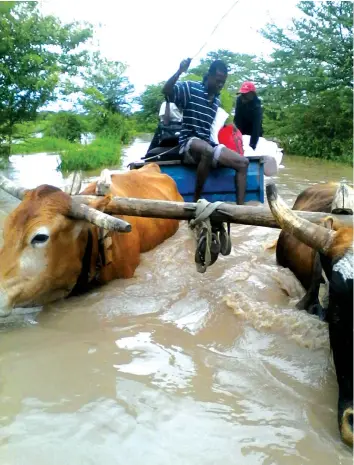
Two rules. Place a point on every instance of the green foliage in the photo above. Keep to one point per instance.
(114, 125)
(242, 67)
(307, 84)
(101, 152)
(35, 51)
(105, 86)
(25, 130)
(44, 144)
(65, 125)
(150, 100)
(105, 98)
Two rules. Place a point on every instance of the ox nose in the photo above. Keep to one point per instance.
(347, 426)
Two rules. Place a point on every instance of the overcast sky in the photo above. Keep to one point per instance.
(153, 36)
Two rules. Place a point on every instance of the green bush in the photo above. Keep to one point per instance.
(101, 152)
(116, 126)
(65, 125)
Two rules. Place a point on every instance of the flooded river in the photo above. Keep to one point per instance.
(172, 366)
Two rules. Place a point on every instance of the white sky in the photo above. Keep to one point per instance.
(153, 36)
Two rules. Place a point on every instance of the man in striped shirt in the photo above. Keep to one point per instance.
(199, 102)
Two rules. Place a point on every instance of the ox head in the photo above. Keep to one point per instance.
(45, 240)
(335, 246)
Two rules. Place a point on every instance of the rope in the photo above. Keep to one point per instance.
(160, 154)
(211, 34)
(217, 25)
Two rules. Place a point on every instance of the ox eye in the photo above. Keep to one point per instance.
(39, 239)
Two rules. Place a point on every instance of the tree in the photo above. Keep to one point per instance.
(35, 51)
(106, 86)
(307, 84)
(242, 67)
(65, 125)
(150, 101)
(104, 95)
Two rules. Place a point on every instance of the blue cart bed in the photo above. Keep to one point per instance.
(220, 185)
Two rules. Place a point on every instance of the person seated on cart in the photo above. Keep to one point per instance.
(199, 102)
(248, 113)
(169, 126)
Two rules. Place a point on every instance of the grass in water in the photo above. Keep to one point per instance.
(103, 151)
(44, 144)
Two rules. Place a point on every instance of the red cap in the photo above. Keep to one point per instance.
(247, 87)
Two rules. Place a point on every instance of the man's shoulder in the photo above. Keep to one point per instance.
(197, 85)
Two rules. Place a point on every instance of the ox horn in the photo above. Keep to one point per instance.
(311, 234)
(80, 211)
(12, 188)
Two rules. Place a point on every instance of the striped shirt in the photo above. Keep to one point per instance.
(198, 112)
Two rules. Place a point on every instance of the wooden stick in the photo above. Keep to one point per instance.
(240, 214)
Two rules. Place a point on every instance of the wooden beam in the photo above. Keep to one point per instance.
(240, 214)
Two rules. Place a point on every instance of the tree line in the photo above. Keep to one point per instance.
(306, 85)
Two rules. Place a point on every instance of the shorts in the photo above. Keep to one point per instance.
(189, 157)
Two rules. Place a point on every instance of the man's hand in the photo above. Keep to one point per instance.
(184, 65)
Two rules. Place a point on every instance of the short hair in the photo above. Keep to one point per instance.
(218, 65)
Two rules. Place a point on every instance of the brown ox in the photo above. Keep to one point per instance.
(47, 254)
(307, 249)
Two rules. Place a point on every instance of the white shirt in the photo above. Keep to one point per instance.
(175, 114)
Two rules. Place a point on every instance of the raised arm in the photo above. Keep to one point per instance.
(169, 86)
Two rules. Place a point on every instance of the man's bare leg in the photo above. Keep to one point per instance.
(240, 164)
(203, 154)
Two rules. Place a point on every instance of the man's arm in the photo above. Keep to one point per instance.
(169, 85)
(256, 127)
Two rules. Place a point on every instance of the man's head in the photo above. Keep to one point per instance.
(247, 91)
(216, 76)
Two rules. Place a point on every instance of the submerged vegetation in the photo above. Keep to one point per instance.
(103, 151)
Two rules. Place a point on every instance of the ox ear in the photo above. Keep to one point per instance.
(103, 186)
(343, 201)
(73, 183)
(78, 228)
(311, 234)
(328, 222)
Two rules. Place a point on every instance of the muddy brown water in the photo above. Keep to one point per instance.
(173, 367)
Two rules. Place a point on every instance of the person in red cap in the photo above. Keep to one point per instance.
(248, 113)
